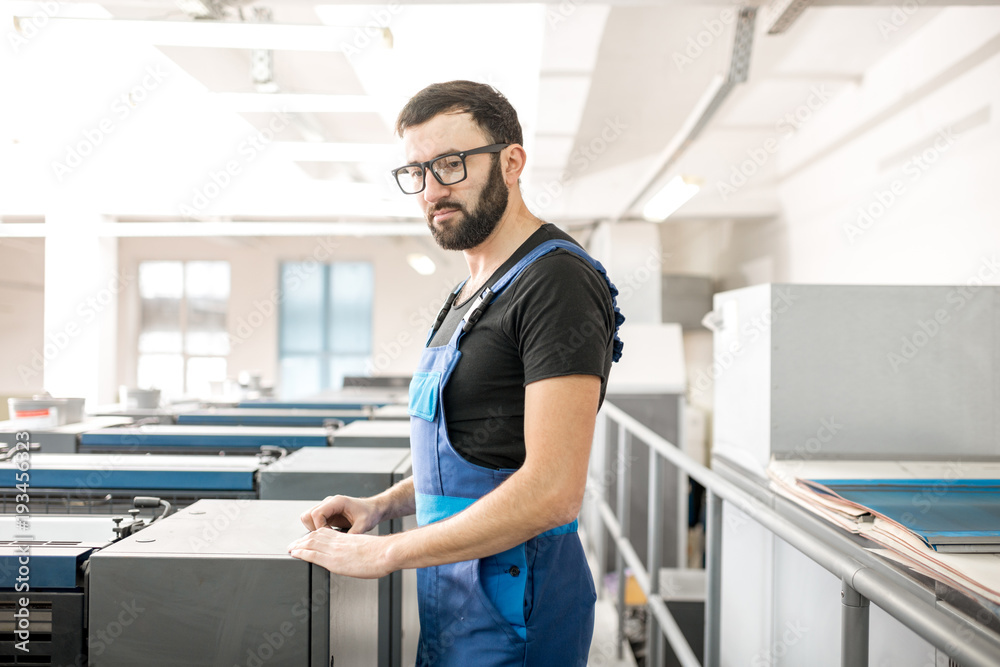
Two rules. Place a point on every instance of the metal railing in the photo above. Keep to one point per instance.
(864, 576)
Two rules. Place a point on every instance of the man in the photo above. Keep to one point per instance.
(501, 428)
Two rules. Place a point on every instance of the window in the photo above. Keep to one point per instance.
(183, 341)
(326, 324)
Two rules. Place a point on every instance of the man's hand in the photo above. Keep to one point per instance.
(360, 556)
(358, 514)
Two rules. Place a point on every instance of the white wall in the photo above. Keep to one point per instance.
(22, 308)
(916, 146)
(405, 302)
(940, 223)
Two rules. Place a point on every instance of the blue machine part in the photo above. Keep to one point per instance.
(942, 512)
(340, 404)
(46, 565)
(269, 416)
(203, 438)
(122, 471)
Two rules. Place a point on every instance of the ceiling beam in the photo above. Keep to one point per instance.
(215, 34)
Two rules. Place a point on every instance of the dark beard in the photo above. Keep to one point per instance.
(476, 226)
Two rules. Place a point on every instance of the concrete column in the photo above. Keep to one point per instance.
(82, 283)
(633, 256)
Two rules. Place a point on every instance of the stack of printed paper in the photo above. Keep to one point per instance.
(940, 519)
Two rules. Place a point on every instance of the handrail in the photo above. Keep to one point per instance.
(979, 647)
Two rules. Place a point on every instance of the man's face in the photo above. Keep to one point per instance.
(463, 215)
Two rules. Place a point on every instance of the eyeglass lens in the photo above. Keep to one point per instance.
(449, 169)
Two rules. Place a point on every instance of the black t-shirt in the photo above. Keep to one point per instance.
(555, 319)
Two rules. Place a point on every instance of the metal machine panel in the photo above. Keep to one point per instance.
(270, 416)
(91, 529)
(350, 471)
(199, 439)
(353, 402)
(820, 371)
(57, 439)
(392, 412)
(373, 434)
(214, 585)
(50, 564)
(135, 471)
(158, 415)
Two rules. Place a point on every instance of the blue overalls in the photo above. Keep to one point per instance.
(530, 605)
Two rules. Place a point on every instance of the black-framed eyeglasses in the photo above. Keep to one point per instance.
(448, 169)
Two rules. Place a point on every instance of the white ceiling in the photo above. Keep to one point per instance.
(601, 90)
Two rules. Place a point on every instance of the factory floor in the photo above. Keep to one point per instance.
(603, 648)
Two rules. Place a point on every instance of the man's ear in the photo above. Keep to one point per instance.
(512, 160)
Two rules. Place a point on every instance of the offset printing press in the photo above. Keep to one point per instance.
(208, 584)
(106, 483)
(869, 411)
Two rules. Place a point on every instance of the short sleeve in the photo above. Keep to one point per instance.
(561, 319)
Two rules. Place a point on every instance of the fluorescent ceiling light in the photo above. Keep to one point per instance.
(216, 34)
(673, 195)
(308, 151)
(422, 264)
(303, 103)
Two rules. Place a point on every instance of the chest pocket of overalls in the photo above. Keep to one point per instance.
(425, 392)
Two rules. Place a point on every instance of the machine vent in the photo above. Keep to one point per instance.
(40, 625)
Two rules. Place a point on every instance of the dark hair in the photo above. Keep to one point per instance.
(490, 110)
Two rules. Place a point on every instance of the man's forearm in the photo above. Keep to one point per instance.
(397, 501)
(516, 511)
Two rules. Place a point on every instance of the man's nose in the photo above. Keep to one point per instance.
(434, 191)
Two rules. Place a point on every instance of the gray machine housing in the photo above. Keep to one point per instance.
(845, 372)
(858, 372)
(214, 585)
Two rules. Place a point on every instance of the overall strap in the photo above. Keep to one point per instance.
(443, 313)
(490, 294)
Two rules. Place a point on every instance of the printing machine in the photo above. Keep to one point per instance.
(209, 585)
(106, 483)
(826, 373)
(252, 414)
(114, 435)
(57, 439)
(391, 412)
(271, 416)
(380, 433)
(179, 439)
(158, 415)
